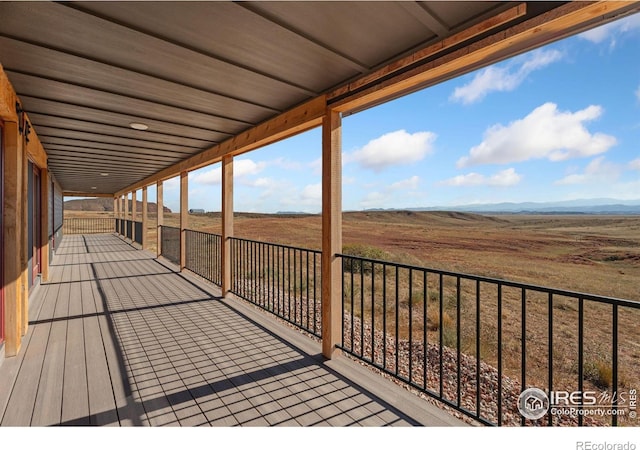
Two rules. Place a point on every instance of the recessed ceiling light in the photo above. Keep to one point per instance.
(104, 174)
(93, 187)
(139, 126)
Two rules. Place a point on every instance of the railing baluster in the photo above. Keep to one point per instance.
(410, 324)
(373, 308)
(384, 316)
(440, 332)
(550, 361)
(362, 309)
(523, 356)
(425, 350)
(499, 354)
(478, 348)
(458, 350)
(580, 352)
(614, 365)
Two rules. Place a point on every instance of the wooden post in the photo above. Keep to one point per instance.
(134, 213)
(184, 218)
(160, 216)
(126, 206)
(331, 231)
(227, 222)
(13, 230)
(44, 224)
(24, 248)
(144, 218)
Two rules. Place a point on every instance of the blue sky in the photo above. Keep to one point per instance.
(558, 123)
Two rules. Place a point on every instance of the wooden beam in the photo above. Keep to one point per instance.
(144, 217)
(331, 231)
(299, 119)
(44, 223)
(540, 30)
(160, 216)
(85, 194)
(13, 230)
(184, 217)
(7, 99)
(227, 222)
(115, 207)
(440, 46)
(126, 206)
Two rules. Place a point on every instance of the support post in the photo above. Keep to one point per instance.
(160, 216)
(44, 224)
(184, 218)
(126, 206)
(331, 231)
(227, 222)
(144, 218)
(24, 245)
(13, 230)
(134, 213)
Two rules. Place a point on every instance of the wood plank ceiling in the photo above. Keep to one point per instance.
(196, 73)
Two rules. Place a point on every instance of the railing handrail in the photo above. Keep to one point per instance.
(515, 284)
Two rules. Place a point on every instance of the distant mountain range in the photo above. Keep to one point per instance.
(585, 206)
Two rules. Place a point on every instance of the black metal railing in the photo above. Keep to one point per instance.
(281, 279)
(170, 243)
(128, 229)
(137, 226)
(88, 225)
(475, 342)
(203, 255)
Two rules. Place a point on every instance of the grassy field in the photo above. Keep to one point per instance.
(590, 254)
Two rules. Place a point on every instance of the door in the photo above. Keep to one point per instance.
(1, 235)
(36, 227)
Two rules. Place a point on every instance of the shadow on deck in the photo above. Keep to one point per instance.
(118, 337)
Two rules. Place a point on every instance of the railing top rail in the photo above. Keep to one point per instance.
(317, 252)
(592, 297)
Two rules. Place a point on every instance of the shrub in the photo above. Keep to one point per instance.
(361, 251)
(599, 372)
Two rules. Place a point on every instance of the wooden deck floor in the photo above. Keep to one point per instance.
(120, 338)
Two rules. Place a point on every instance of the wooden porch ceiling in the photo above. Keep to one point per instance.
(203, 73)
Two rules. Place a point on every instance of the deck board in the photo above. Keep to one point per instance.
(122, 339)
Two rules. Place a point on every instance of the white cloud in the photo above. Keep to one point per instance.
(504, 78)
(544, 133)
(397, 147)
(316, 166)
(597, 171)
(409, 183)
(311, 194)
(375, 199)
(504, 178)
(635, 164)
(612, 30)
(638, 93)
(241, 168)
